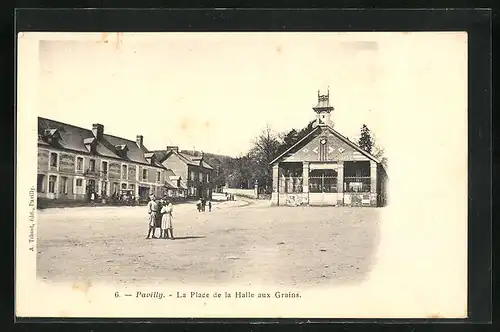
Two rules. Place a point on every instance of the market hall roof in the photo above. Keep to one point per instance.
(335, 133)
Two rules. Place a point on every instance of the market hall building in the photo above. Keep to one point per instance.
(326, 168)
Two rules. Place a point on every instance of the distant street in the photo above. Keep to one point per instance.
(243, 240)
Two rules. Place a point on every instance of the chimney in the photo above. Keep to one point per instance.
(97, 130)
(140, 141)
(172, 147)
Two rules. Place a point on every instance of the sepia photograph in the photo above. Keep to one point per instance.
(242, 175)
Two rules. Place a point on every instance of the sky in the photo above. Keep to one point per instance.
(216, 91)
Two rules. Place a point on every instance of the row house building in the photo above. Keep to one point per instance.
(190, 167)
(75, 162)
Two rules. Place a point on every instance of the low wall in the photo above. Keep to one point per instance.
(250, 193)
(330, 199)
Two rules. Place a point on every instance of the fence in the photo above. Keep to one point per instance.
(357, 184)
(323, 184)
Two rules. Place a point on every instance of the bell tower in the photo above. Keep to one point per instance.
(323, 110)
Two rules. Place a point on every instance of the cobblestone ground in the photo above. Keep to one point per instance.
(241, 241)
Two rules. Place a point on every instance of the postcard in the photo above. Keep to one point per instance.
(242, 175)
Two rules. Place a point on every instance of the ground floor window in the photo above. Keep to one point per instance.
(144, 193)
(323, 181)
(64, 185)
(124, 186)
(79, 182)
(40, 185)
(91, 186)
(52, 184)
(104, 188)
(116, 188)
(192, 191)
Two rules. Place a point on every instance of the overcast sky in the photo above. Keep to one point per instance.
(216, 92)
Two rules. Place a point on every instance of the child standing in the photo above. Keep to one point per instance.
(166, 221)
(153, 211)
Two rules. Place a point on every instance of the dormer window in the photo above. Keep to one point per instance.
(121, 150)
(91, 144)
(51, 136)
(149, 157)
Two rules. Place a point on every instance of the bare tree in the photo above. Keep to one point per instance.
(378, 151)
(264, 150)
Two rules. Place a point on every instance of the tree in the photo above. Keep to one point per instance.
(365, 141)
(265, 148)
(379, 152)
(290, 138)
(221, 168)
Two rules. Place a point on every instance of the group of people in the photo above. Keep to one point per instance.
(160, 216)
(202, 203)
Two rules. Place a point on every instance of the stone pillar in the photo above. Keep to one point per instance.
(373, 183)
(340, 184)
(275, 193)
(305, 182)
(256, 189)
(305, 177)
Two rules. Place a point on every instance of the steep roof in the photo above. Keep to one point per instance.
(195, 159)
(334, 132)
(73, 138)
(170, 184)
(186, 157)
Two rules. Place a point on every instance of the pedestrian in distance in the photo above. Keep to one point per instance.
(198, 205)
(153, 211)
(209, 205)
